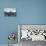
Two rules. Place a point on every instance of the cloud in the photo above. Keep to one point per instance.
(9, 9)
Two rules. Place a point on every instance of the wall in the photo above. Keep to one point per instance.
(28, 12)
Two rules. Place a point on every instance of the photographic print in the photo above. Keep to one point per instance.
(31, 33)
(10, 11)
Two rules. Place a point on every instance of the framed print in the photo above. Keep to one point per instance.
(32, 32)
(10, 11)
